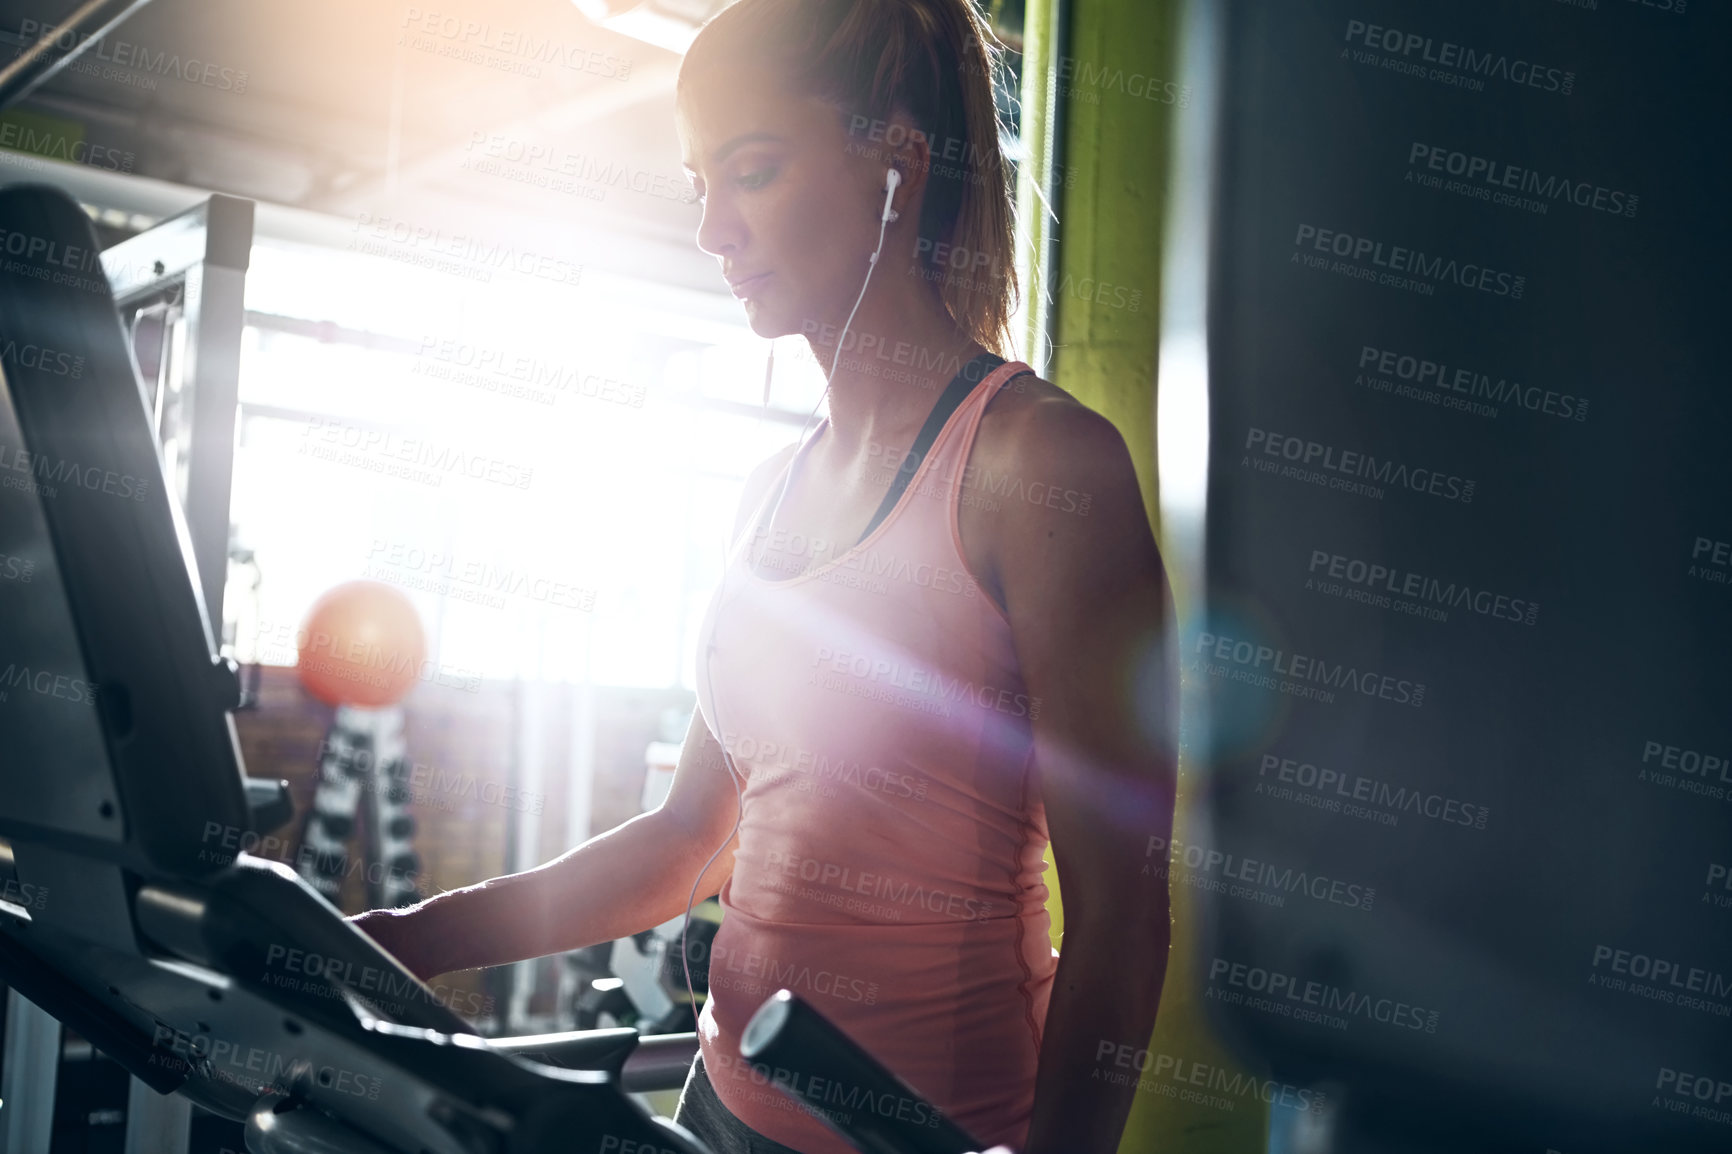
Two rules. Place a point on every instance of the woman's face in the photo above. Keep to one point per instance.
(788, 207)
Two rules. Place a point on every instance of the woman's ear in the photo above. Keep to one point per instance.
(909, 151)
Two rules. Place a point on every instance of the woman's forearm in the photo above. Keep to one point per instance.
(1104, 996)
(628, 879)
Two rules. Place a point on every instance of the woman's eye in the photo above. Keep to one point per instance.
(757, 179)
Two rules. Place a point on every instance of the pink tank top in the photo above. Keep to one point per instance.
(890, 867)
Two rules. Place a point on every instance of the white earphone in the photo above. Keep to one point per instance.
(892, 179)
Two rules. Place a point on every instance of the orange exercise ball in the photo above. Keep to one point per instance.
(362, 645)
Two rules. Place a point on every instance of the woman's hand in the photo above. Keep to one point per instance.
(394, 931)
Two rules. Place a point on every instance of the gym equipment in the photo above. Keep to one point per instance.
(1464, 645)
(362, 756)
(200, 969)
(362, 645)
(362, 649)
(642, 981)
(178, 289)
(815, 1064)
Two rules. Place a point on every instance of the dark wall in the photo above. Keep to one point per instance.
(1467, 548)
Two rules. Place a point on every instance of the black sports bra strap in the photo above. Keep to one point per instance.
(953, 395)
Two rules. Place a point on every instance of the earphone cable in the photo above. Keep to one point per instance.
(733, 772)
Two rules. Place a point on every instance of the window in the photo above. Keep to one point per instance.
(547, 470)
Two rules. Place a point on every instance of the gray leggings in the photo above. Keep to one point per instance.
(701, 1112)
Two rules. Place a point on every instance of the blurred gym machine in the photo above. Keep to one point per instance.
(125, 914)
(1463, 651)
(180, 290)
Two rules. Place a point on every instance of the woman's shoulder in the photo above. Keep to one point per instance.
(1031, 423)
(1059, 494)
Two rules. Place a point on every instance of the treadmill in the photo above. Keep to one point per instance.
(121, 911)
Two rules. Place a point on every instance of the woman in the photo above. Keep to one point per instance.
(909, 710)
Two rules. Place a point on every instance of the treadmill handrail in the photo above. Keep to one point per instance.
(221, 922)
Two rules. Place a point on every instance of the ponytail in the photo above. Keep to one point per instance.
(934, 60)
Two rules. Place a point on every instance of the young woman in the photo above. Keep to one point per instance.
(896, 711)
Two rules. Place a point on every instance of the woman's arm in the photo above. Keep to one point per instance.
(1092, 616)
(616, 884)
(630, 878)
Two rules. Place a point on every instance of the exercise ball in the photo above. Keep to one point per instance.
(362, 644)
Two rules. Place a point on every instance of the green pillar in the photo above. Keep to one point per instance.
(1120, 97)
(32, 132)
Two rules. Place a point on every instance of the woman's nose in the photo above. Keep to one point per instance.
(720, 230)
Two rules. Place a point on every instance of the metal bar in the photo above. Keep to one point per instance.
(156, 1123)
(331, 333)
(207, 249)
(216, 231)
(660, 1062)
(38, 63)
(528, 770)
(213, 317)
(28, 1078)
